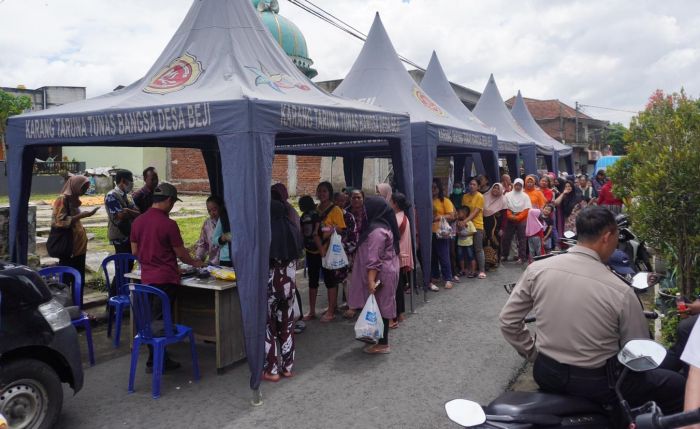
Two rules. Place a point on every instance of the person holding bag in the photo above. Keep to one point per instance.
(400, 205)
(332, 220)
(65, 217)
(376, 269)
(285, 248)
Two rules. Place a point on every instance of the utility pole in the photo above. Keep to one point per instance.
(576, 126)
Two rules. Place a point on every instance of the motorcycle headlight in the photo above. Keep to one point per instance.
(54, 313)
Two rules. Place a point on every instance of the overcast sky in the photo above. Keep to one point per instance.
(601, 53)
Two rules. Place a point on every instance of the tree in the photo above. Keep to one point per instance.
(9, 106)
(615, 137)
(660, 174)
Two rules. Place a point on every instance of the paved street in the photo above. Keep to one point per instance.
(450, 348)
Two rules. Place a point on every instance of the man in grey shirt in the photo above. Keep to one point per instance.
(585, 314)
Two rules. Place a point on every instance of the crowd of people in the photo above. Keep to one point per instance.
(475, 226)
(473, 229)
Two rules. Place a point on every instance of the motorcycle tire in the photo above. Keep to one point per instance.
(34, 388)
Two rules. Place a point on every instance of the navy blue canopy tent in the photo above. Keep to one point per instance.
(378, 77)
(437, 86)
(493, 112)
(224, 86)
(562, 152)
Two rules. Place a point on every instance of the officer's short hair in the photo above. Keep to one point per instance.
(594, 221)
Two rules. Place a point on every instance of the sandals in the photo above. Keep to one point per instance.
(377, 349)
(482, 275)
(393, 324)
(471, 275)
(271, 377)
(449, 285)
(326, 318)
(308, 316)
(434, 288)
(349, 313)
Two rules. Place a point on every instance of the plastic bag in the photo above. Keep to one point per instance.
(445, 230)
(369, 327)
(296, 309)
(335, 256)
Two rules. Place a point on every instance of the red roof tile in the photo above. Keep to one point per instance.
(548, 109)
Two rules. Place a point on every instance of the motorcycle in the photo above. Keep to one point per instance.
(530, 410)
(635, 249)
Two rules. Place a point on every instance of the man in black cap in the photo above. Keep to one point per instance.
(157, 242)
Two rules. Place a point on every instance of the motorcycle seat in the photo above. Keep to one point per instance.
(519, 403)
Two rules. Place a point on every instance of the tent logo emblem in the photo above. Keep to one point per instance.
(181, 72)
(276, 81)
(427, 102)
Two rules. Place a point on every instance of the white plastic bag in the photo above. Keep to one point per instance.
(335, 256)
(297, 310)
(445, 230)
(369, 327)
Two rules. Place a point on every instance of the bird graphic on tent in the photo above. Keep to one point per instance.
(276, 81)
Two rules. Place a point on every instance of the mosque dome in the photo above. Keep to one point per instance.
(287, 34)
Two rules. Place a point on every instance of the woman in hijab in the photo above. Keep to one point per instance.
(494, 211)
(285, 248)
(518, 205)
(384, 190)
(66, 214)
(400, 205)
(377, 260)
(279, 192)
(571, 202)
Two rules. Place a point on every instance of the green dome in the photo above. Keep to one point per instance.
(287, 35)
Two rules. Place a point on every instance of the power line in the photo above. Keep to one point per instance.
(607, 108)
(333, 20)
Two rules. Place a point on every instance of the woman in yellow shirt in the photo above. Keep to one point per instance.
(475, 201)
(442, 208)
(332, 219)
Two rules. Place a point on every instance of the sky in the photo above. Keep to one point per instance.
(609, 53)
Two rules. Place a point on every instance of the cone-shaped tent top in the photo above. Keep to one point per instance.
(378, 77)
(437, 86)
(221, 52)
(524, 118)
(493, 111)
(224, 86)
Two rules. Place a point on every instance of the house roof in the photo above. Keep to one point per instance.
(549, 109)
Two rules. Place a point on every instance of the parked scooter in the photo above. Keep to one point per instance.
(530, 410)
(635, 249)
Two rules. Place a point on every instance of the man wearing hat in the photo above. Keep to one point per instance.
(157, 242)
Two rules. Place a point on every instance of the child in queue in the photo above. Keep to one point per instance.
(465, 243)
(547, 219)
(534, 231)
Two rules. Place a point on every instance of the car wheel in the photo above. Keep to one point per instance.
(31, 394)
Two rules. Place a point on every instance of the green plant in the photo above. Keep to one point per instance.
(656, 176)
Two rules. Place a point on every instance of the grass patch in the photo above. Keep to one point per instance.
(189, 228)
(49, 198)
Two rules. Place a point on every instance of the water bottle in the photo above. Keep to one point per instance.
(680, 305)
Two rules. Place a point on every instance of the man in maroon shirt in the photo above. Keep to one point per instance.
(156, 241)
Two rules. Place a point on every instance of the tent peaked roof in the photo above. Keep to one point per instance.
(523, 117)
(492, 111)
(437, 86)
(221, 52)
(378, 77)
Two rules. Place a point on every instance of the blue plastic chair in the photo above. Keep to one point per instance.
(141, 313)
(82, 320)
(119, 301)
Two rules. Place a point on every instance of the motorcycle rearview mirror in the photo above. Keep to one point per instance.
(569, 234)
(640, 281)
(465, 413)
(641, 355)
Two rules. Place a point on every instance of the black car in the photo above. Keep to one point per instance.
(38, 350)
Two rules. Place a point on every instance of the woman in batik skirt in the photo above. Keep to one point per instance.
(285, 249)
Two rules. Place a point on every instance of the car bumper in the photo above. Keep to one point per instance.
(65, 341)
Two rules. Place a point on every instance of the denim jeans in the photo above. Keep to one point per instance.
(441, 259)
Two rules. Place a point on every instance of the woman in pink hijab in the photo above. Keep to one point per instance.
(384, 190)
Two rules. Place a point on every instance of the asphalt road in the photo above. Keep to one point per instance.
(450, 348)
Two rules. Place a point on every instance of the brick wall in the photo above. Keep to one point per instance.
(187, 170)
(308, 174)
(189, 173)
